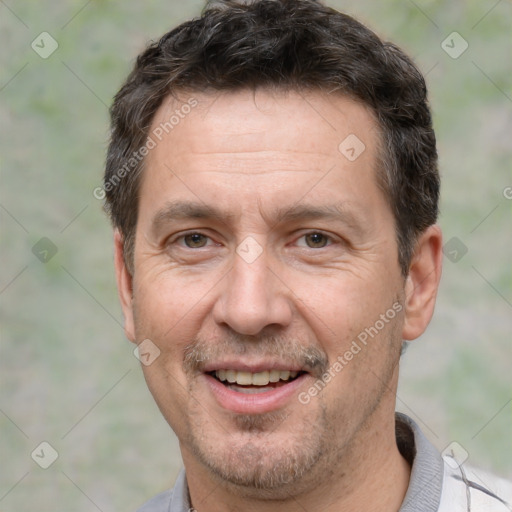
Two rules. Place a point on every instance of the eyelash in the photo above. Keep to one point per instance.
(183, 236)
(330, 239)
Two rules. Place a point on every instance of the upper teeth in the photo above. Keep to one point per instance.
(256, 379)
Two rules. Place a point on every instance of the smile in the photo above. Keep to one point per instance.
(259, 382)
(255, 392)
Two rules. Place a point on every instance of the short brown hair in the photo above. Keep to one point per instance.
(291, 44)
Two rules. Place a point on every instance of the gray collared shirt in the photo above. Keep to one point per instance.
(423, 494)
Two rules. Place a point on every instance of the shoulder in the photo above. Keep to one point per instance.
(466, 488)
(160, 503)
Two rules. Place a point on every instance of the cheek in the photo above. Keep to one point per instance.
(167, 315)
(340, 305)
(165, 305)
(170, 392)
(344, 314)
(161, 316)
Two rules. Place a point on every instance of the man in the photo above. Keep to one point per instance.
(272, 181)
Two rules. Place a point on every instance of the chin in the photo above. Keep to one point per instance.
(252, 468)
(265, 454)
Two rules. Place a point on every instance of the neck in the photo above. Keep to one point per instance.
(372, 475)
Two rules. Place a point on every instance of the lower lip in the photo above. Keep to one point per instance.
(254, 403)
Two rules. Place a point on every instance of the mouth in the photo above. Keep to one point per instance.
(254, 392)
(252, 383)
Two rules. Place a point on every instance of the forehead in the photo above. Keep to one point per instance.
(283, 119)
(260, 146)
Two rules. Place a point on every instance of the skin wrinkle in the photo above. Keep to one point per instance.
(303, 354)
(380, 76)
(267, 94)
(202, 352)
(191, 210)
(293, 303)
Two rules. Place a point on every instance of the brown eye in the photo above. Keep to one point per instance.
(316, 240)
(195, 240)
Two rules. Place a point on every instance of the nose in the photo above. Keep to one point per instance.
(253, 298)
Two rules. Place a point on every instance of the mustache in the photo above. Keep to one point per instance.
(295, 352)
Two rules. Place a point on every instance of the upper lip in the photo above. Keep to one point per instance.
(252, 367)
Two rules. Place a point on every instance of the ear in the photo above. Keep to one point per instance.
(422, 283)
(124, 286)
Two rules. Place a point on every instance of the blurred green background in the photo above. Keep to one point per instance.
(69, 377)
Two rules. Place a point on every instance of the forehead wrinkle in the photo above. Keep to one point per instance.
(183, 210)
(240, 161)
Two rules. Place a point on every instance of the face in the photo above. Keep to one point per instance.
(266, 273)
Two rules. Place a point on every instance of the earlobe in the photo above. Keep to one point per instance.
(422, 283)
(124, 285)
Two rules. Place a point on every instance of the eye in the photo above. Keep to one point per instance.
(315, 240)
(191, 247)
(194, 240)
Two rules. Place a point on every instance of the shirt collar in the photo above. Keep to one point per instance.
(426, 481)
(425, 484)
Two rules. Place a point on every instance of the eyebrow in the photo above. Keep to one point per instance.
(185, 210)
(337, 212)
